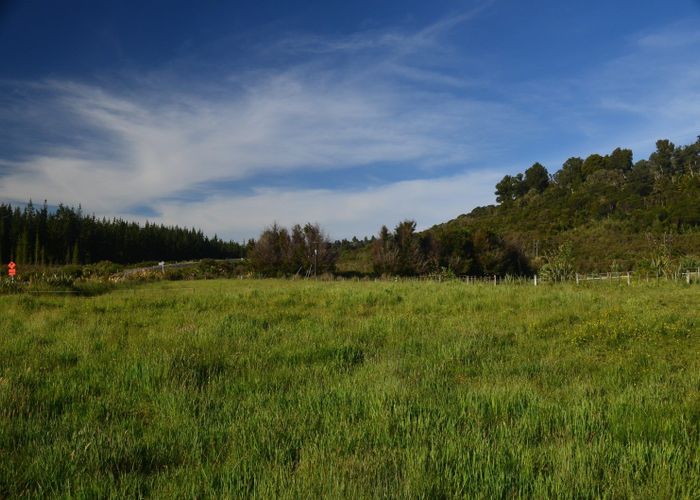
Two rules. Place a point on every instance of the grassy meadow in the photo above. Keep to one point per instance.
(273, 388)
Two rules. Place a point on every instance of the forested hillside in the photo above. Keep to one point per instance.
(613, 212)
(67, 236)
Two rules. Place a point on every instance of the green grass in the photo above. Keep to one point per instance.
(351, 389)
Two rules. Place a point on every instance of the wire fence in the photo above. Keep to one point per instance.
(160, 267)
(687, 276)
(629, 277)
(617, 277)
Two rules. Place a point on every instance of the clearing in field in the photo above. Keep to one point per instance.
(300, 389)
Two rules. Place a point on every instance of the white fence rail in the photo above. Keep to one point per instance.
(629, 277)
(160, 267)
(625, 278)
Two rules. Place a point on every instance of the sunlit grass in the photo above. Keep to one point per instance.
(299, 389)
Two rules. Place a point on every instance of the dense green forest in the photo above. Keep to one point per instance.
(66, 236)
(613, 212)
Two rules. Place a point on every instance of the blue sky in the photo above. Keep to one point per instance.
(229, 116)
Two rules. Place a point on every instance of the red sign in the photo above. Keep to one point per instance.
(12, 269)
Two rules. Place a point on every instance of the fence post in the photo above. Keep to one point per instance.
(494, 280)
(687, 277)
(577, 278)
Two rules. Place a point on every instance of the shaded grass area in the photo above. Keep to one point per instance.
(289, 389)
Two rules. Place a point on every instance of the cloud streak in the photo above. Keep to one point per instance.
(348, 213)
(286, 123)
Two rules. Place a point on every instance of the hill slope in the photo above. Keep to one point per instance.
(615, 213)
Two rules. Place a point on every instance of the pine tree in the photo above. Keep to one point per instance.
(76, 255)
(36, 248)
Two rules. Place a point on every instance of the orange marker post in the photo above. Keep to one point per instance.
(12, 270)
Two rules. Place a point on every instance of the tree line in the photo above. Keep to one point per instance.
(648, 194)
(405, 252)
(300, 251)
(606, 210)
(608, 206)
(661, 190)
(401, 252)
(588, 201)
(67, 236)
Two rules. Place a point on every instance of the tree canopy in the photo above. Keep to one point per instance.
(607, 205)
(67, 236)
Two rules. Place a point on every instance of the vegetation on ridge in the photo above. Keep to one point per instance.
(614, 212)
(67, 236)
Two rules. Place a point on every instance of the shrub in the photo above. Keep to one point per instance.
(558, 264)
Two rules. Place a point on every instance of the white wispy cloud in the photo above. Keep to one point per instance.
(646, 92)
(346, 213)
(653, 90)
(310, 115)
(390, 41)
(285, 123)
(679, 35)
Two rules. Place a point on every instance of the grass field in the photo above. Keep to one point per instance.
(348, 389)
